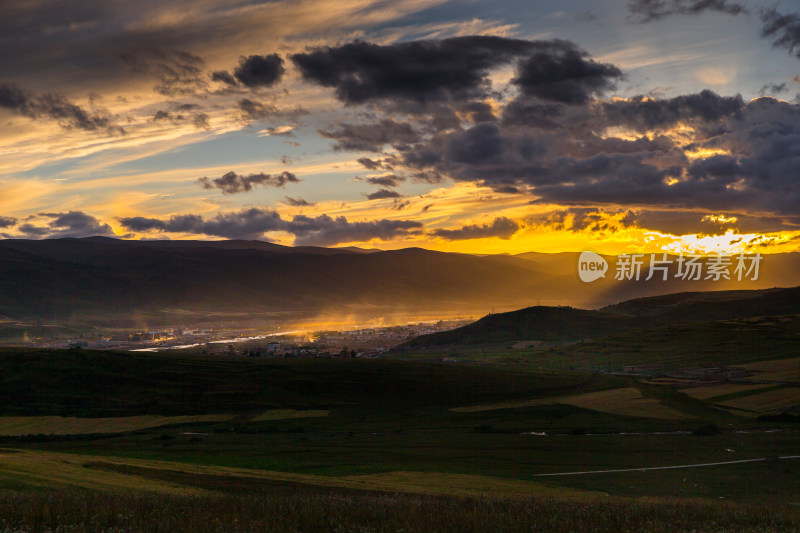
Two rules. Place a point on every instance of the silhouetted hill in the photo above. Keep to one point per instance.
(535, 323)
(108, 279)
(112, 281)
(706, 306)
(568, 324)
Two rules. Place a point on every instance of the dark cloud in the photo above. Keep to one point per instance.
(675, 222)
(371, 164)
(70, 224)
(223, 76)
(582, 219)
(647, 114)
(758, 176)
(177, 72)
(164, 115)
(782, 29)
(501, 227)
(326, 231)
(143, 223)
(748, 155)
(455, 69)
(687, 222)
(389, 180)
(31, 230)
(258, 110)
(297, 202)
(420, 71)
(649, 10)
(200, 120)
(372, 137)
(772, 88)
(55, 107)
(252, 223)
(259, 71)
(478, 112)
(559, 71)
(255, 110)
(232, 183)
(534, 113)
(399, 205)
(246, 224)
(382, 194)
(7, 222)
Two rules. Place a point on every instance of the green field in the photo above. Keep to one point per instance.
(434, 436)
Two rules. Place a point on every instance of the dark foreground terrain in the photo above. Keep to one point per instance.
(660, 424)
(306, 510)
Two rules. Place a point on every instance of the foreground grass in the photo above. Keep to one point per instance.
(61, 425)
(319, 509)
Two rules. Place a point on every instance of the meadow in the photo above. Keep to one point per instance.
(397, 444)
(304, 509)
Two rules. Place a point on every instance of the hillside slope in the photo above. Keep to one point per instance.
(568, 324)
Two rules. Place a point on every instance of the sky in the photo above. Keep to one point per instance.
(463, 126)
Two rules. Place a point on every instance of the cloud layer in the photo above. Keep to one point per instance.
(253, 223)
(233, 183)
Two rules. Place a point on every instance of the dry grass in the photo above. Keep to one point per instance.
(43, 470)
(286, 414)
(714, 391)
(627, 402)
(778, 370)
(40, 469)
(60, 425)
(291, 510)
(461, 484)
(774, 400)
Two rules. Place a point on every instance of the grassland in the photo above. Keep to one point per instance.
(627, 401)
(718, 390)
(289, 414)
(60, 425)
(334, 439)
(752, 342)
(123, 494)
(769, 401)
(284, 509)
(777, 370)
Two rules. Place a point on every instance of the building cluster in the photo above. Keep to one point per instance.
(363, 342)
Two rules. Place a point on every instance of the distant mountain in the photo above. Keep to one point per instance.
(568, 324)
(107, 281)
(110, 281)
(776, 270)
(705, 306)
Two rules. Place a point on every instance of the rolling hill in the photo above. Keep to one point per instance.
(112, 282)
(564, 324)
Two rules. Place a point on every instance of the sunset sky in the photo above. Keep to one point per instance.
(481, 127)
